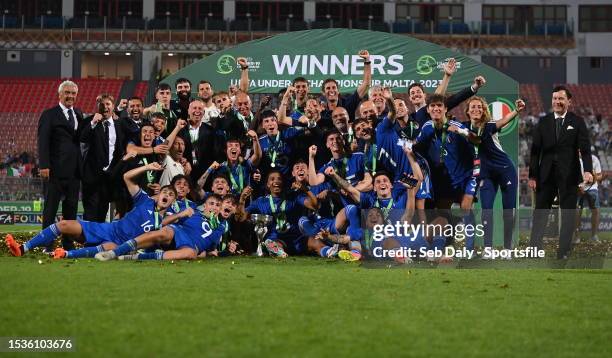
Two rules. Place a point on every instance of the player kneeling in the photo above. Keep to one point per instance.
(190, 236)
(146, 216)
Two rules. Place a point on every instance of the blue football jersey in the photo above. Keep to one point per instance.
(456, 154)
(493, 159)
(277, 149)
(142, 218)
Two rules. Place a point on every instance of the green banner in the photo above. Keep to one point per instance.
(397, 62)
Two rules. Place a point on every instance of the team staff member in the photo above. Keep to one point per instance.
(59, 155)
(554, 168)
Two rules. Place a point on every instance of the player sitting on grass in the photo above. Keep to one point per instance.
(285, 208)
(191, 235)
(382, 197)
(147, 215)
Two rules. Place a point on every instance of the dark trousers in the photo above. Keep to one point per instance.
(66, 190)
(545, 195)
(96, 198)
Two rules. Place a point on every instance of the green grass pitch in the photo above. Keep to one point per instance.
(305, 307)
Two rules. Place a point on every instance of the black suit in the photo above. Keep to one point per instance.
(555, 166)
(130, 129)
(100, 187)
(58, 150)
(205, 148)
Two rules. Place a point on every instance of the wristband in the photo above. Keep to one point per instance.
(244, 67)
(367, 62)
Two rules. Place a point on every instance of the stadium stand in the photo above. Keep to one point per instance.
(141, 89)
(37, 94)
(531, 94)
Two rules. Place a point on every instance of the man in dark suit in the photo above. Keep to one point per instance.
(199, 138)
(59, 155)
(131, 119)
(104, 145)
(554, 168)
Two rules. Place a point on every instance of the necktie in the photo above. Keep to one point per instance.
(70, 118)
(558, 127)
(106, 140)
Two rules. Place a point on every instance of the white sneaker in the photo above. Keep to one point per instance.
(333, 251)
(595, 238)
(105, 255)
(127, 257)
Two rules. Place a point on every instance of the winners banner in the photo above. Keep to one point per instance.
(397, 62)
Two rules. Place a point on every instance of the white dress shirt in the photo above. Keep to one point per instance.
(65, 111)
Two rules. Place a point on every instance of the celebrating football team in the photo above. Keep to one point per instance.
(213, 176)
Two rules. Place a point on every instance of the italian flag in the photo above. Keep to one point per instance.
(499, 110)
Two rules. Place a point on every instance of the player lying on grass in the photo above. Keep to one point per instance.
(147, 215)
(285, 207)
(189, 235)
(382, 197)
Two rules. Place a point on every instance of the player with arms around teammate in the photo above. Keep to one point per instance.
(146, 215)
(187, 236)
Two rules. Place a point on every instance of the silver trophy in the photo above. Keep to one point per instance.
(261, 222)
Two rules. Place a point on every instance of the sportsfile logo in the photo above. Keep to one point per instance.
(335, 65)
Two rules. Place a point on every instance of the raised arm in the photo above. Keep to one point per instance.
(256, 156)
(365, 184)
(179, 125)
(130, 177)
(282, 109)
(202, 180)
(363, 88)
(244, 74)
(158, 149)
(343, 184)
(314, 178)
(241, 214)
(449, 69)
(417, 173)
(520, 105)
(311, 201)
(388, 96)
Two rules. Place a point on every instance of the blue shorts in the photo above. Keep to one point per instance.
(455, 192)
(182, 237)
(591, 197)
(191, 236)
(98, 233)
(293, 242)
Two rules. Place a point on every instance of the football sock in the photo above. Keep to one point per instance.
(323, 252)
(509, 219)
(126, 247)
(44, 238)
(84, 252)
(158, 255)
(487, 222)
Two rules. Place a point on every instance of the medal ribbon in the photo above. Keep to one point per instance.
(280, 220)
(384, 210)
